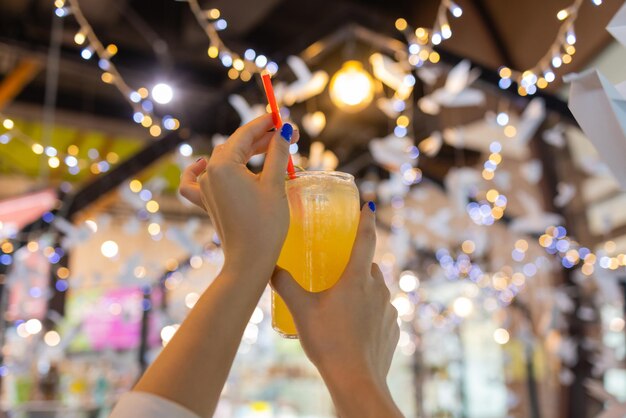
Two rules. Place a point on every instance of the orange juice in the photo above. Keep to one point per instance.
(324, 215)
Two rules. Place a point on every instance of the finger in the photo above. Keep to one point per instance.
(189, 187)
(239, 147)
(292, 293)
(365, 242)
(377, 273)
(278, 157)
(262, 145)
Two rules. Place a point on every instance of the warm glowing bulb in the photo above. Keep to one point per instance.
(135, 185)
(8, 124)
(401, 24)
(155, 130)
(351, 88)
(501, 336)
(79, 38)
(505, 72)
(238, 64)
(162, 93)
(33, 326)
(562, 14)
(213, 51)
(463, 307)
(52, 338)
(109, 249)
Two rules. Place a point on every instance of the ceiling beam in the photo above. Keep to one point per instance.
(496, 36)
(13, 83)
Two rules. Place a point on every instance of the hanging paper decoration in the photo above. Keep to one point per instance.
(555, 136)
(456, 91)
(613, 408)
(512, 132)
(395, 75)
(306, 86)
(532, 171)
(245, 111)
(431, 145)
(314, 123)
(598, 108)
(565, 193)
(535, 220)
(462, 184)
(393, 152)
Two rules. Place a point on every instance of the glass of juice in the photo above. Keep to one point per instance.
(324, 215)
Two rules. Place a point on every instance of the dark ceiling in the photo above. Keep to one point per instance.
(161, 40)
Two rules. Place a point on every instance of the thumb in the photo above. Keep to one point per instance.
(278, 156)
(292, 293)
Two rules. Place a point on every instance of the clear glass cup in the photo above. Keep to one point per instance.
(324, 216)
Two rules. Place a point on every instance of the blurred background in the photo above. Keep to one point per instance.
(502, 229)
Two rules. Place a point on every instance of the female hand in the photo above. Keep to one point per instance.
(249, 211)
(349, 331)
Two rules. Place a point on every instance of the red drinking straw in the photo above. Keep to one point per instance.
(278, 123)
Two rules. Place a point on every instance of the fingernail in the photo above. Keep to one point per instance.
(286, 132)
(372, 206)
(198, 160)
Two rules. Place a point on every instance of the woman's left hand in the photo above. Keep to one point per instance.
(249, 211)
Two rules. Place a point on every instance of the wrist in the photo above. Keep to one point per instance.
(360, 395)
(248, 268)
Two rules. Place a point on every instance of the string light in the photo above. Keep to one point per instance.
(55, 156)
(212, 22)
(110, 74)
(422, 40)
(559, 53)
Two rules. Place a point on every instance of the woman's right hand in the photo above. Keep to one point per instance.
(350, 331)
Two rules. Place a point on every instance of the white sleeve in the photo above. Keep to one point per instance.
(146, 405)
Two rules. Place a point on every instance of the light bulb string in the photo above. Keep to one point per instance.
(559, 53)
(95, 43)
(560, 39)
(40, 150)
(117, 80)
(215, 41)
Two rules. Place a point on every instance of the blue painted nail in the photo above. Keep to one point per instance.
(286, 132)
(372, 206)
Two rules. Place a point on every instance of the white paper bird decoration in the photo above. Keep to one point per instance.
(456, 91)
(74, 234)
(479, 135)
(430, 74)
(306, 86)
(395, 75)
(532, 171)
(314, 123)
(431, 145)
(566, 192)
(613, 408)
(439, 223)
(184, 236)
(461, 184)
(393, 187)
(535, 220)
(555, 136)
(245, 111)
(321, 158)
(392, 152)
(503, 180)
(617, 26)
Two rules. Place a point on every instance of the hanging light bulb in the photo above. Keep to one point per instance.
(570, 38)
(351, 88)
(455, 9)
(564, 13)
(87, 53)
(80, 37)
